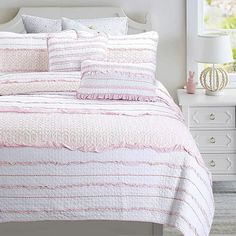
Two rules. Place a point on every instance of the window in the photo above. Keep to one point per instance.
(204, 16)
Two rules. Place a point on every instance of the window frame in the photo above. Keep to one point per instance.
(195, 26)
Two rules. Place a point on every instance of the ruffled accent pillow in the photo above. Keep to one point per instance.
(117, 81)
(67, 54)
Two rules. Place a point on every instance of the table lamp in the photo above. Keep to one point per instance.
(214, 49)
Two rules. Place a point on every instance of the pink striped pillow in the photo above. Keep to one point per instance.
(117, 81)
(67, 54)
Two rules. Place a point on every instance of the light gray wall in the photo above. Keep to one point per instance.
(168, 18)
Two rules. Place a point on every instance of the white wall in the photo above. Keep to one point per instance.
(168, 19)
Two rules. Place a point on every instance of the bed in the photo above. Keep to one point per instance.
(65, 159)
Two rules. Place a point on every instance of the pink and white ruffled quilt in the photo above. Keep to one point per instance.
(101, 176)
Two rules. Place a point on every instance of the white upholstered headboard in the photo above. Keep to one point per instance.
(16, 25)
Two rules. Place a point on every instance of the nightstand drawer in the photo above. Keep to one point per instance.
(212, 117)
(218, 140)
(220, 163)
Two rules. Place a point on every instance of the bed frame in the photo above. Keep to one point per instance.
(90, 228)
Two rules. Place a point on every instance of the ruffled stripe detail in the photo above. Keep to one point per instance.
(112, 96)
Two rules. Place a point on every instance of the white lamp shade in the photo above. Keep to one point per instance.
(214, 49)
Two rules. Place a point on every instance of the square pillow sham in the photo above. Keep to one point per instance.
(117, 81)
(136, 48)
(26, 52)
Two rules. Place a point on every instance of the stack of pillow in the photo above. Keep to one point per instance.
(94, 57)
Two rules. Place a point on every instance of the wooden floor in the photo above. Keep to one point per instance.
(225, 214)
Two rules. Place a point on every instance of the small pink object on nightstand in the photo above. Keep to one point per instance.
(191, 85)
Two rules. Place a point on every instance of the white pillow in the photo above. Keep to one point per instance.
(75, 25)
(112, 26)
(34, 24)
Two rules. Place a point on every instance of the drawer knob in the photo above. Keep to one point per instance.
(212, 116)
(213, 140)
(212, 164)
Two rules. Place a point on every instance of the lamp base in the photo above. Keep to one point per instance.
(217, 93)
(214, 80)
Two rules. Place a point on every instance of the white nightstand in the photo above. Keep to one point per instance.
(211, 121)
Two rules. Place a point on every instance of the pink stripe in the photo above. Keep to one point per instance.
(91, 110)
(22, 71)
(102, 209)
(78, 44)
(79, 175)
(96, 67)
(122, 72)
(112, 96)
(80, 38)
(66, 62)
(129, 185)
(23, 49)
(124, 163)
(58, 163)
(66, 99)
(89, 77)
(151, 175)
(64, 70)
(79, 60)
(128, 38)
(146, 35)
(136, 196)
(77, 54)
(20, 81)
(130, 60)
(132, 49)
(136, 43)
(26, 109)
(104, 184)
(118, 87)
(23, 37)
(33, 110)
(28, 36)
(74, 49)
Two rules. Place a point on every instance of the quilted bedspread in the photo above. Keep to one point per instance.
(170, 185)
